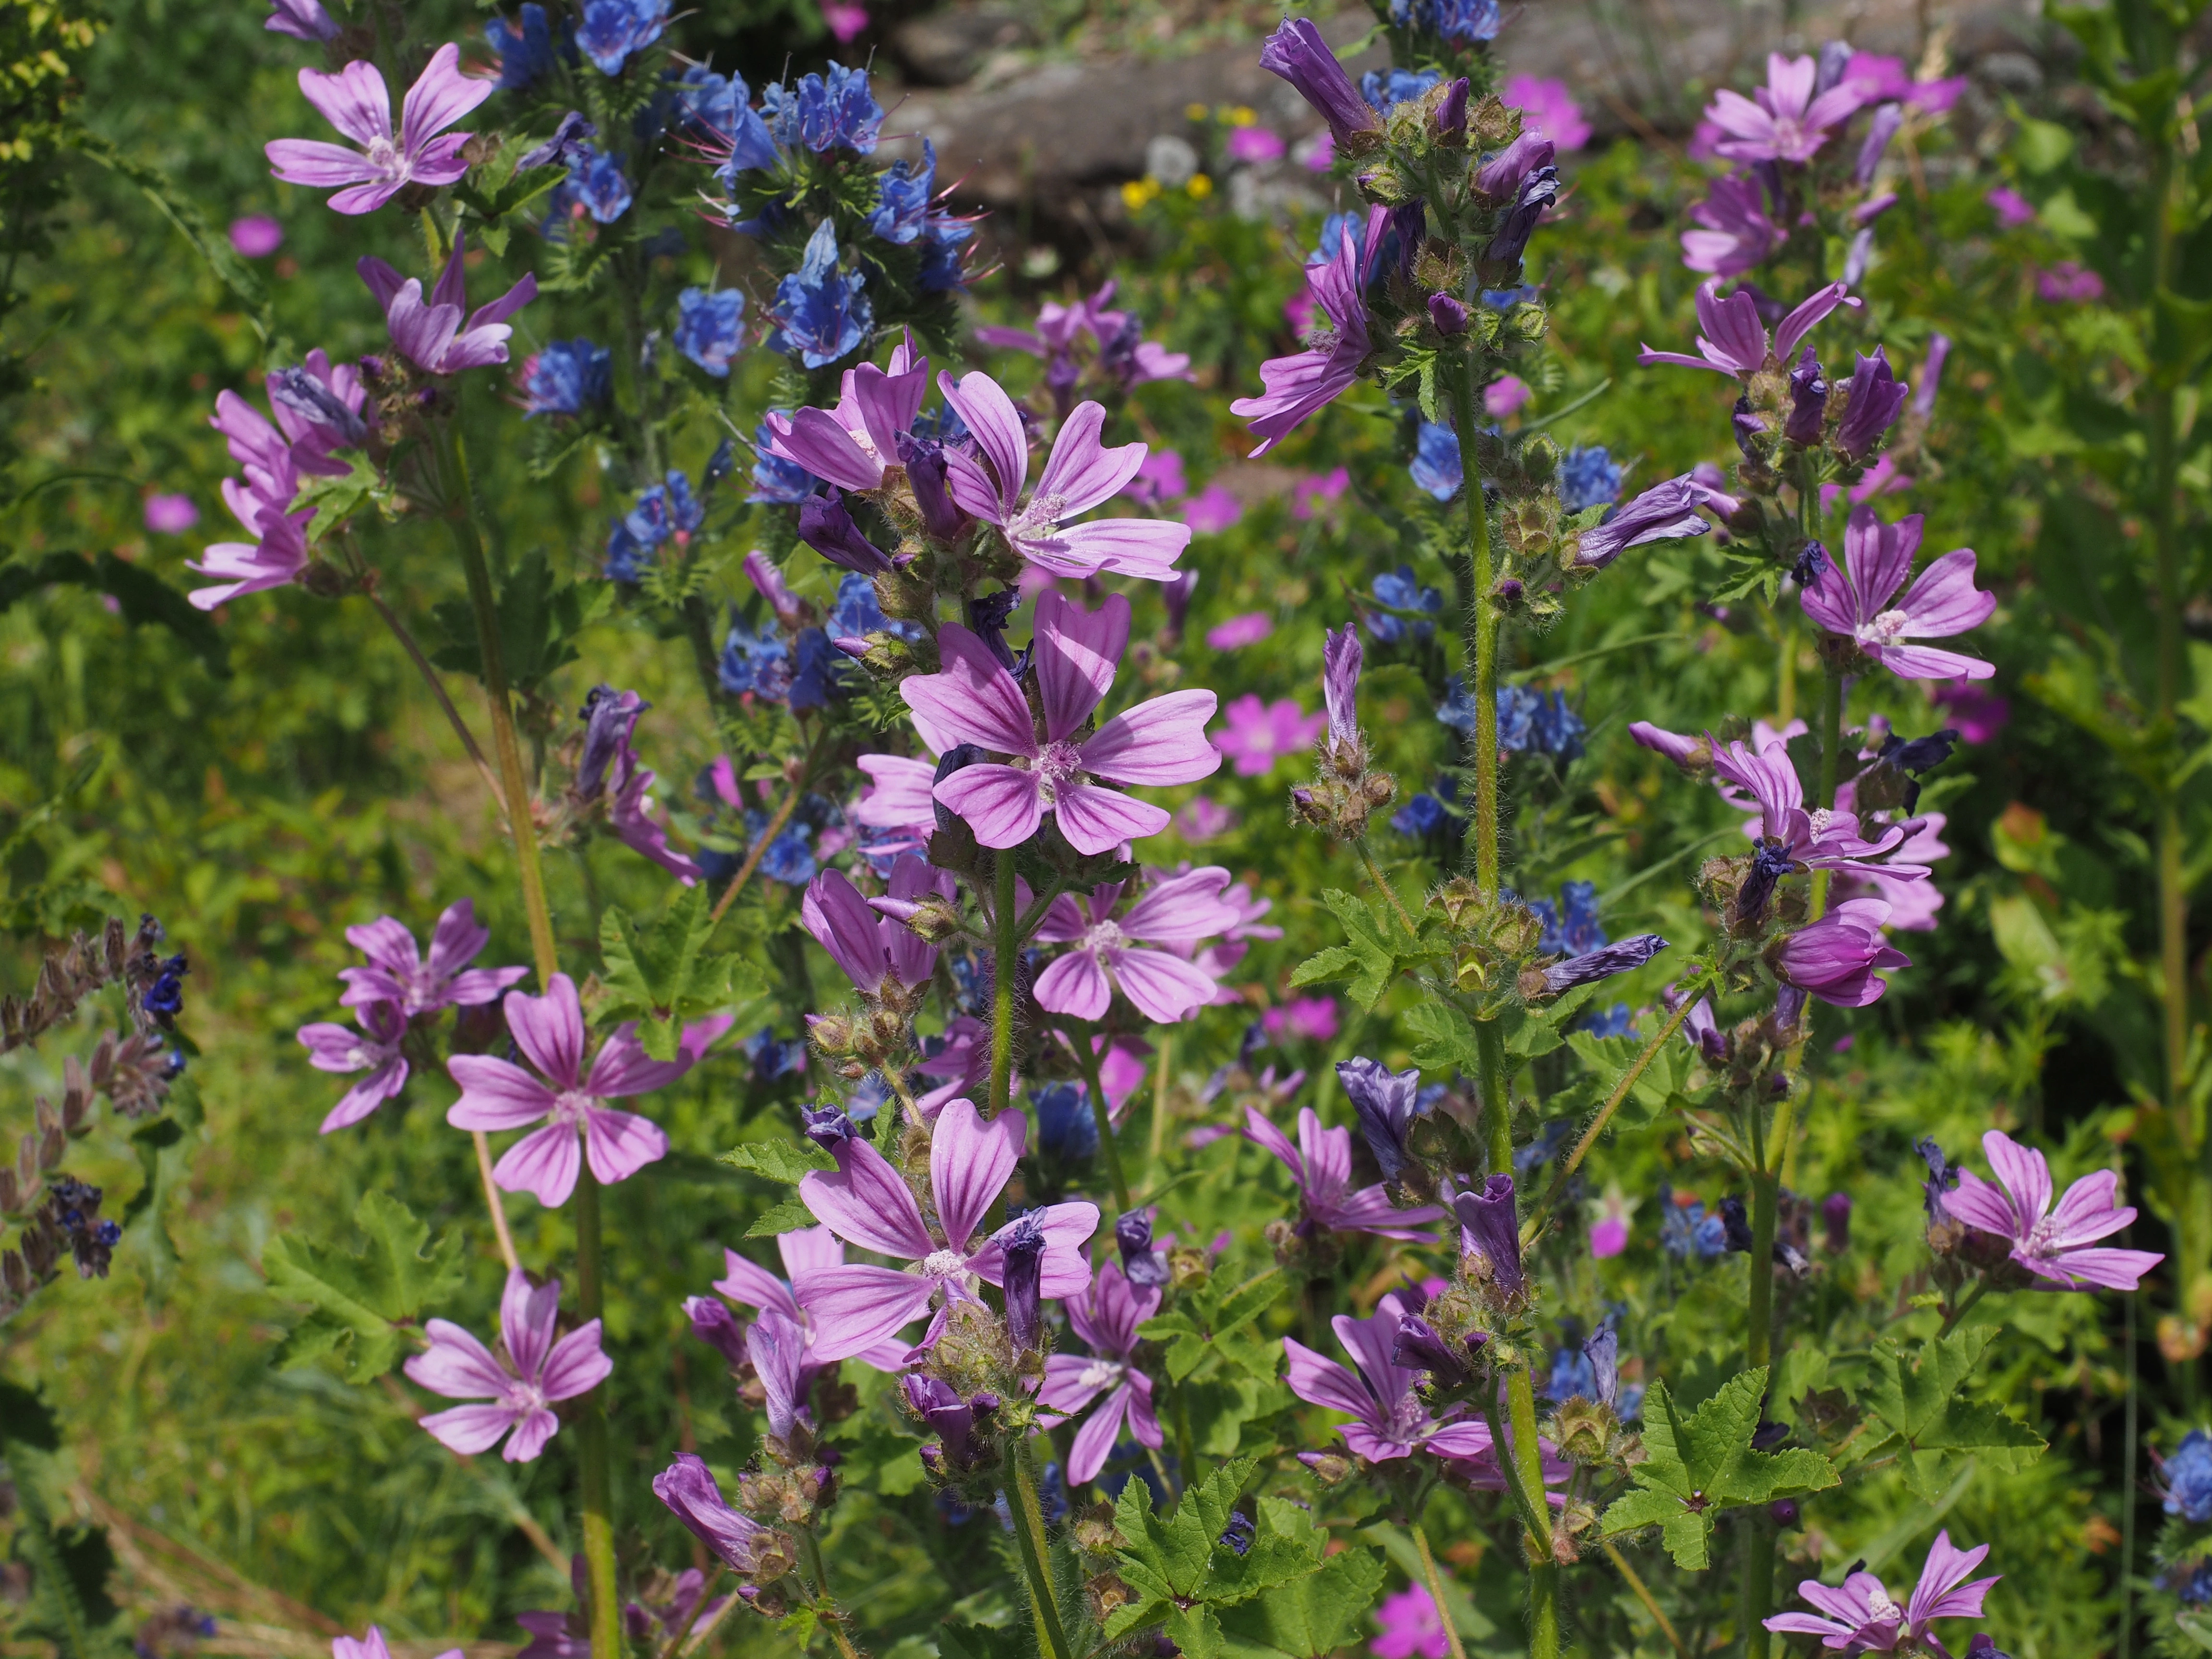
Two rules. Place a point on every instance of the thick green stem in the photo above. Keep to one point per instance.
(1037, 1557)
(1832, 744)
(1759, 1548)
(1436, 1592)
(1544, 1635)
(591, 1438)
(1496, 1100)
(1004, 965)
(1086, 1055)
(1479, 631)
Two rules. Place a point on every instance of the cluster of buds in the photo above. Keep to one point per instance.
(68, 1223)
(1756, 1060)
(762, 1556)
(73, 971)
(1344, 792)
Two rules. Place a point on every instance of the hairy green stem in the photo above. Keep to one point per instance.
(591, 1436)
(1086, 1055)
(1832, 746)
(1544, 1634)
(1759, 1548)
(1036, 1555)
(1480, 632)
(1436, 1592)
(1496, 1100)
(1005, 964)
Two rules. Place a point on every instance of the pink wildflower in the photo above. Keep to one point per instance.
(1259, 734)
(534, 1373)
(354, 102)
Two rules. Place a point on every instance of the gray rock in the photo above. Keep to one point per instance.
(944, 48)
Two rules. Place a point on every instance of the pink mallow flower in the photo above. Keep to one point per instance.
(1310, 1019)
(1912, 904)
(1783, 120)
(1258, 734)
(1304, 383)
(372, 1646)
(1322, 1165)
(1309, 496)
(854, 444)
(2013, 209)
(1075, 652)
(432, 335)
(1389, 1419)
(257, 235)
(1835, 959)
(520, 1386)
(1078, 475)
(375, 1048)
(1732, 340)
(398, 972)
(1410, 1625)
(1255, 144)
(1548, 108)
(2058, 1244)
(1238, 632)
(1212, 510)
(1505, 396)
(2068, 282)
(806, 1251)
(866, 1201)
(171, 515)
(1182, 910)
(274, 559)
(1106, 1318)
(498, 1095)
(874, 948)
(1859, 600)
(1733, 232)
(1159, 480)
(354, 102)
(1861, 1618)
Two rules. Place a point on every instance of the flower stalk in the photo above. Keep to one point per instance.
(1102, 1110)
(1037, 1554)
(1006, 962)
(1436, 1583)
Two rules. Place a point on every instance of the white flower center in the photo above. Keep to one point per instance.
(1101, 1374)
(570, 1107)
(419, 989)
(1880, 1609)
(1105, 939)
(1055, 765)
(944, 1264)
(1041, 517)
(1821, 818)
(1408, 1417)
(524, 1398)
(1885, 630)
(383, 156)
(2042, 1242)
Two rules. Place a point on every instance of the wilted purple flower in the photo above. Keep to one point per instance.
(1861, 1618)
(1321, 1165)
(431, 334)
(1603, 963)
(873, 948)
(826, 526)
(1931, 374)
(687, 1488)
(397, 973)
(1389, 1419)
(498, 1095)
(1144, 1266)
(1666, 511)
(1303, 384)
(1735, 234)
(535, 1373)
(1417, 1347)
(1340, 683)
(1387, 1102)
(1856, 600)
(1835, 957)
(1731, 339)
(375, 1048)
(1297, 51)
(1686, 752)
(1835, 1212)
(1808, 401)
(2057, 1243)
(1534, 194)
(1022, 1246)
(1876, 397)
(1784, 120)
(1883, 128)
(1489, 1226)
(951, 1419)
(354, 102)
(1106, 1317)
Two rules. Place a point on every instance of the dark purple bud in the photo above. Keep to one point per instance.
(1451, 120)
(1538, 192)
(950, 1418)
(1387, 1102)
(1984, 1647)
(1340, 657)
(1836, 1211)
(1702, 1029)
(1501, 177)
(1942, 1176)
(1022, 1242)
(609, 717)
(1835, 58)
(312, 401)
(1490, 1226)
(1175, 594)
(1447, 313)
(1880, 132)
(1784, 1512)
(924, 460)
(1141, 1265)
(828, 1128)
(712, 1323)
(1420, 1348)
(1238, 1534)
(1808, 401)
(1812, 560)
(827, 526)
(988, 616)
(1770, 862)
(1667, 509)
(1297, 51)
(1603, 1352)
(1931, 375)
(1876, 399)
(1404, 229)
(1917, 755)
(952, 760)
(1748, 426)
(1769, 1434)
(1788, 1007)
(1736, 1225)
(688, 1488)
(568, 147)
(1603, 963)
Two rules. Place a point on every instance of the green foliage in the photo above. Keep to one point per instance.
(539, 620)
(1379, 950)
(1213, 1322)
(363, 1303)
(1932, 1428)
(663, 975)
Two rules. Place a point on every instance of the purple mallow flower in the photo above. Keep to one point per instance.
(399, 974)
(1112, 952)
(354, 102)
(1387, 1102)
(1861, 1618)
(853, 444)
(375, 1048)
(807, 1250)
(872, 948)
(1490, 1227)
(1733, 234)
(531, 1375)
(1389, 1420)
(431, 335)
(687, 1488)
(275, 560)
(1836, 957)
(866, 1202)
(1789, 839)
(1303, 384)
(975, 701)
(1297, 51)
(1860, 600)
(1663, 513)
(1786, 119)
(303, 20)
(1321, 1164)
(1078, 475)
(497, 1094)
(2057, 1243)
(1731, 339)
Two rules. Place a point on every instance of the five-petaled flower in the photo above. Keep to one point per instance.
(354, 102)
(1107, 1320)
(1182, 910)
(1784, 120)
(1322, 1165)
(2057, 1242)
(1861, 1618)
(1860, 600)
(399, 974)
(431, 334)
(1731, 339)
(1389, 1419)
(521, 1388)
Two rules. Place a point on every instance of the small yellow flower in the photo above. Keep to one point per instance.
(1243, 115)
(1199, 187)
(1194, 111)
(1138, 192)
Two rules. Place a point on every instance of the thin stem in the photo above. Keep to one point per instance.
(824, 1608)
(1436, 1592)
(1951, 1319)
(1186, 1447)
(2128, 1498)
(1832, 744)
(1383, 885)
(1087, 1055)
(491, 1200)
(1160, 1468)
(1481, 626)
(438, 690)
(1643, 1593)
(1159, 1111)
(758, 850)
(1006, 962)
(1036, 1553)
(1759, 1549)
(591, 1438)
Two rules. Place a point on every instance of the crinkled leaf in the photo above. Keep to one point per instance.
(784, 1161)
(539, 617)
(789, 1216)
(360, 1302)
(1308, 1616)
(1443, 1037)
(1378, 948)
(663, 975)
(1934, 1430)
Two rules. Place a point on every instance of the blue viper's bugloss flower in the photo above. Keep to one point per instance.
(2189, 1478)
(1436, 465)
(1587, 478)
(1067, 1127)
(788, 860)
(1686, 1230)
(1504, 299)
(777, 482)
(599, 186)
(165, 996)
(567, 378)
(1616, 1021)
(821, 314)
(710, 327)
(626, 556)
(611, 30)
(1384, 89)
(772, 1057)
(1571, 1375)
(717, 110)
(865, 1103)
(1555, 729)
(756, 663)
(943, 238)
(1462, 21)
(1334, 229)
(664, 511)
(1398, 590)
(1571, 927)
(856, 614)
(836, 113)
(524, 48)
(817, 668)
(1418, 816)
(1517, 717)
(901, 211)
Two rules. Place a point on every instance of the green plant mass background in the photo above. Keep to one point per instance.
(217, 1417)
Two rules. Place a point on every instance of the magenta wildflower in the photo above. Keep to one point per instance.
(2057, 1243)
(855, 444)
(498, 1095)
(1256, 735)
(398, 972)
(533, 1373)
(375, 1049)
(303, 20)
(1255, 144)
(1240, 631)
(1078, 475)
(2069, 282)
(1732, 340)
(354, 102)
(1309, 496)
(1546, 105)
(1212, 510)
(241, 567)
(2013, 209)
(1790, 839)
(1913, 903)
(866, 1201)
(874, 948)
(432, 335)
(1106, 1317)
(257, 235)
(804, 1251)
(1159, 480)
(1410, 1625)
(897, 800)
(1783, 120)
(1733, 234)
(1835, 957)
(1389, 1420)
(1505, 395)
(1321, 1165)
(1301, 385)
(171, 515)
(1180, 910)
(1302, 1019)
(1666, 512)
(1075, 653)
(1859, 600)
(688, 1488)
(1861, 1618)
